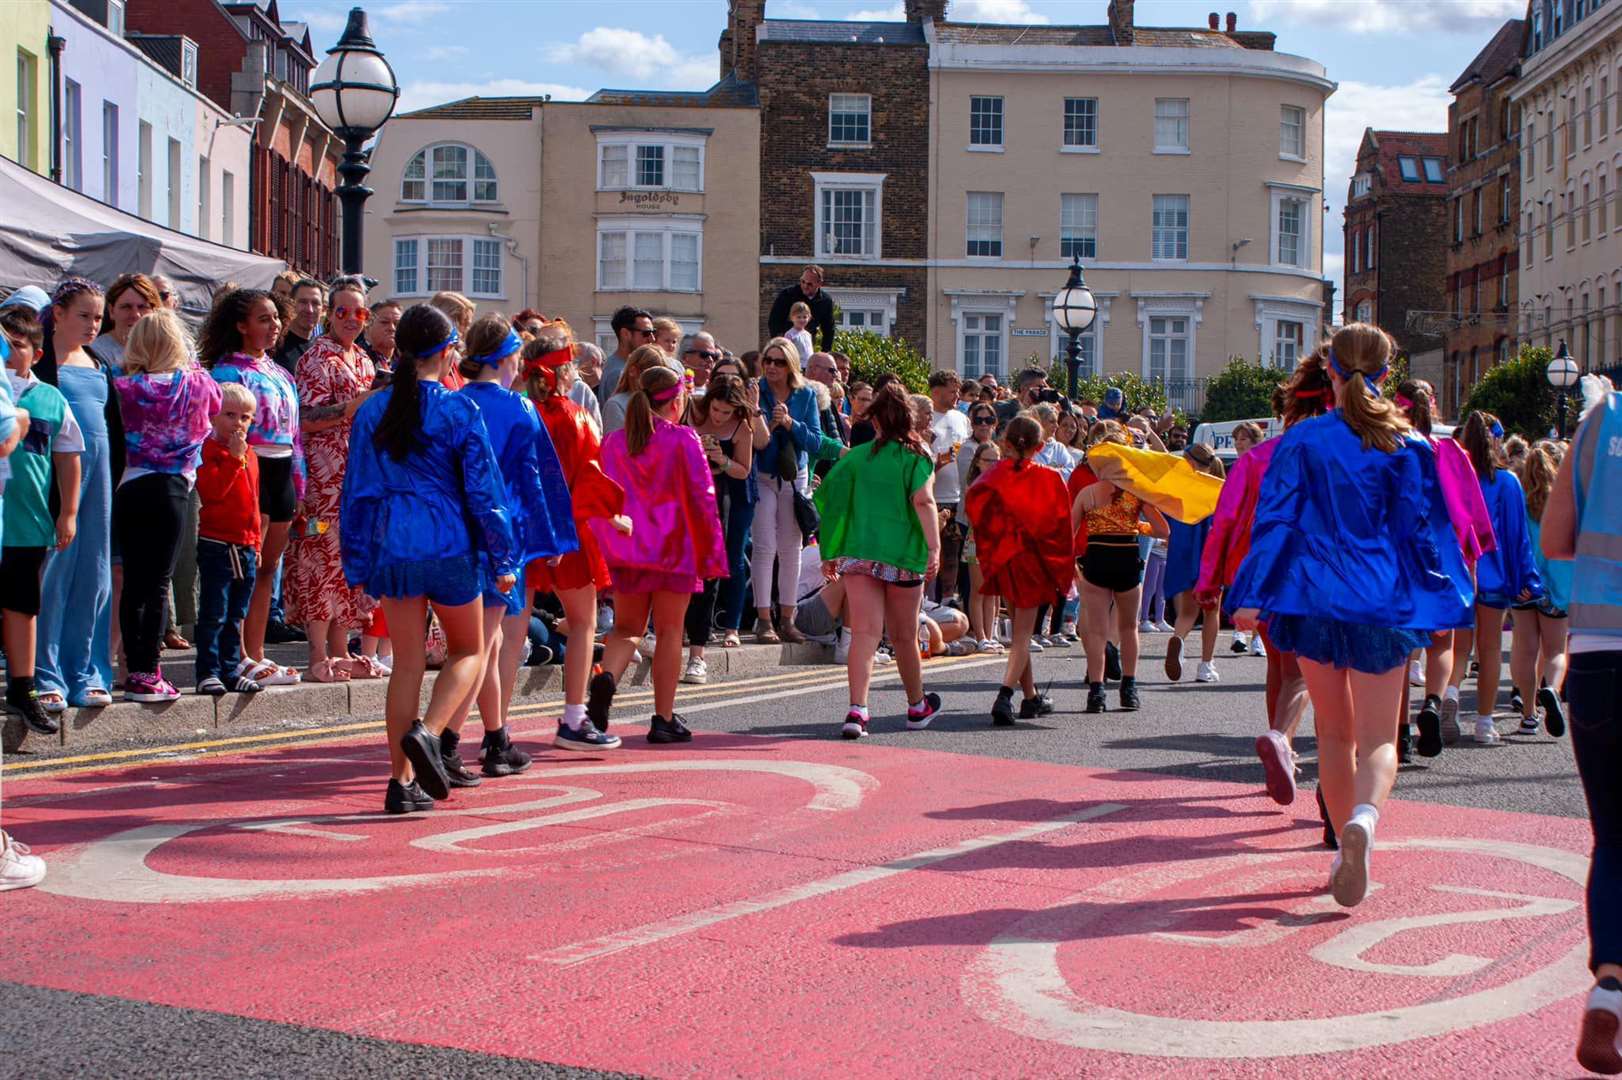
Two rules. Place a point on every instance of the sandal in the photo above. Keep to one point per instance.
(96, 698)
(731, 641)
(791, 634)
(365, 667)
(765, 634)
(53, 702)
(267, 673)
(327, 671)
(174, 640)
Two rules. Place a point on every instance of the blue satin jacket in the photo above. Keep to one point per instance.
(1509, 568)
(400, 520)
(1352, 534)
(537, 494)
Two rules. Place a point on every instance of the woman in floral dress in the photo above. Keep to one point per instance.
(334, 376)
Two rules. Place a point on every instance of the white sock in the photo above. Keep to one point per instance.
(1368, 813)
(1484, 721)
(574, 716)
(1450, 694)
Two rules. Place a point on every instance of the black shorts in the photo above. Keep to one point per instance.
(1116, 567)
(20, 569)
(277, 499)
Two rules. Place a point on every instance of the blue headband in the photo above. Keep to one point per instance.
(1372, 381)
(508, 345)
(1497, 430)
(442, 346)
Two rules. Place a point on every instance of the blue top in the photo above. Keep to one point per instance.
(805, 437)
(1508, 569)
(1352, 534)
(1184, 547)
(400, 520)
(537, 496)
(1556, 574)
(1596, 590)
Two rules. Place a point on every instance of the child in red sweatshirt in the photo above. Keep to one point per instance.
(227, 544)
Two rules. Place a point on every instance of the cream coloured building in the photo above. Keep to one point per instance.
(573, 208)
(1186, 168)
(1570, 274)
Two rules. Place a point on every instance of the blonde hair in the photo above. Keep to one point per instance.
(665, 322)
(234, 393)
(1364, 352)
(799, 307)
(455, 307)
(159, 342)
(639, 411)
(642, 358)
(1538, 474)
(791, 353)
(1107, 431)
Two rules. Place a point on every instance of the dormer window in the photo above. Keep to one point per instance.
(449, 174)
(188, 63)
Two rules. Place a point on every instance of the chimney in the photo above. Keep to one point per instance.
(1214, 21)
(919, 10)
(1120, 22)
(1233, 22)
(743, 24)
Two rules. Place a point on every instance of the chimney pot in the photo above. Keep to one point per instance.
(1215, 20)
(1233, 22)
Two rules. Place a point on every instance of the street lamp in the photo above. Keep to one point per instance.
(1074, 310)
(354, 91)
(1562, 374)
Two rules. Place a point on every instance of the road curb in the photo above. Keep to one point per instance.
(317, 705)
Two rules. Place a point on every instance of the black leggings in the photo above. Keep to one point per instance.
(148, 514)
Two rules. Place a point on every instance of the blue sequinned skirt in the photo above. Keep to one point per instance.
(1373, 650)
(446, 582)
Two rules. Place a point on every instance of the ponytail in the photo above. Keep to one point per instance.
(1308, 392)
(1416, 398)
(424, 332)
(1360, 353)
(656, 386)
(1476, 438)
(1024, 437)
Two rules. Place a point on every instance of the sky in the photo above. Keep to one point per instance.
(1393, 59)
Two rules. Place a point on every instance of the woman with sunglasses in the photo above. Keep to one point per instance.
(780, 470)
(334, 377)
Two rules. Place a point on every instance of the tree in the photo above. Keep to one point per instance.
(1241, 391)
(871, 355)
(1518, 393)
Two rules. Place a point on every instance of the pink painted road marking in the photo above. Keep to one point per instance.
(794, 908)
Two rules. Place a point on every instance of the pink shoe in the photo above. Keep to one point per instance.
(1274, 750)
(140, 686)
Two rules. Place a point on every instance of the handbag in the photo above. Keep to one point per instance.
(805, 514)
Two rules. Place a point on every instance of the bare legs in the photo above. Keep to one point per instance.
(408, 620)
(271, 547)
(1537, 652)
(1017, 671)
(328, 640)
(580, 610)
(1357, 755)
(487, 690)
(873, 605)
(631, 611)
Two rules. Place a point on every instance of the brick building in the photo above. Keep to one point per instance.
(844, 158)
(1396, 241)
(254, 65)
(1483, 131)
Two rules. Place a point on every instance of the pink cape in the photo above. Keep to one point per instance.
(1461, 491)
(670, 499)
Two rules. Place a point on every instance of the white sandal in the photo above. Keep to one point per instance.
(53, 702)
(268, 672)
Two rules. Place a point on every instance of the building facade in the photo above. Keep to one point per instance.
(1570, 275)
(25, 92)
(1483, 252)
(1396, 242)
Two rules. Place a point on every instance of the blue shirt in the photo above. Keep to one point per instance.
(537, 496)
(804, 437)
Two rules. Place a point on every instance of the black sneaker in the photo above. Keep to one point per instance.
(1430, 727)
(1033, 707)
(34, 714)
(1129, 695)
(1238, 645)
(1554, 713)
(1330, 841)
(1095, 698)
(422, 750)
(1112, 662)
(279, 633)
(587, 740)
(1405, 743)
(1529, 726)
(919, 717)
(500, 757)
(458, 772)
(1002, 710)
(405, 798)
(668, 731)
(600, 699)
(1516, 702)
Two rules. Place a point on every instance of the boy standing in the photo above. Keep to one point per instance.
(227, 543)
(53, 442)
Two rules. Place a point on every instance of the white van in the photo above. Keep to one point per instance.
(1219, 437)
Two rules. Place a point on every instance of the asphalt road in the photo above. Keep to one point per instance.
(1203, 732)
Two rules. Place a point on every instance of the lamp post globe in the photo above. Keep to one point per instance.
(354, 92)
(1074, 309)
(1562, 374)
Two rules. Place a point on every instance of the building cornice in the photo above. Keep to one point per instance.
(1045, 264)
(1554, 61)
(1117, 60)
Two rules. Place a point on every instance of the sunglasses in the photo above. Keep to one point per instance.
(708, 354)
(642, 332)
(774, 361)
(978, 420)
(360, 313)
(532, 328)
(164, 295)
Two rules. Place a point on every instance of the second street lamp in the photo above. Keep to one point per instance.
(354, 91)
(1074, 309)
(1562, 374)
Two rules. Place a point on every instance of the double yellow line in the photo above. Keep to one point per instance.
(814, 679)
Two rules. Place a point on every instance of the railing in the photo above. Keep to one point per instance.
(1184, 395)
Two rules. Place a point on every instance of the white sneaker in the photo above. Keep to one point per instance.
(1036, 645)
(1147, 626)
(19, 868)
(1487, 732)
(1256, 646)
(1599, 1046)
(1349, 874)
(989, 646)
(842, 648)
(697, 673)
(883, 656)
(1207, 672)
(1416, 677)
(1070, 631)
(1165, 627)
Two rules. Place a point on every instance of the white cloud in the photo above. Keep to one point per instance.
(894, 13)
(409, 11)
(636, 56)
(793, 9)
(994, 11)
(419, 95)
(1383, 16)
(324, 19)
(446, 52)
(1417, 106)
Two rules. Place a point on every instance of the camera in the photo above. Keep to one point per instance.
(1050, 395)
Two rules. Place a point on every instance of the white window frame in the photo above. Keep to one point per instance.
(665, 227)
(881, 302)
(824, 181)
(1081, 228)
(228, 210)
(72, 135)
(420, 240)
(109, 153)
(1280, 194)
(669, 140)
(470, 177)
(1364, 312)
(1171, 305)
(1188, 224)
(1361, 183)
(1274, 310)
(996, 309)
(866, 101)
(1297, 151)
(1180, 125)
(1065, 145)
(989, 198)
(1002, 124)
(205, 200)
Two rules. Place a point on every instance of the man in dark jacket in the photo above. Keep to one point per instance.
(809, 291)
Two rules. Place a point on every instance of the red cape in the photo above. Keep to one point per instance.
(593, 493)
(1021, 520)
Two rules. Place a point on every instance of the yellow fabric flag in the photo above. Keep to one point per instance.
(1168, 482)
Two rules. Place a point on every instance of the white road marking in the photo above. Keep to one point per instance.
(665, 929)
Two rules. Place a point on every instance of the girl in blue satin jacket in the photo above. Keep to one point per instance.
(1353, 562)
(424, 523)
(537, 498)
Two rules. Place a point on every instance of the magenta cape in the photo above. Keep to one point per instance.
(670, 499)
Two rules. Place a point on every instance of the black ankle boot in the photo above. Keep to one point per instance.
(1002, 710)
